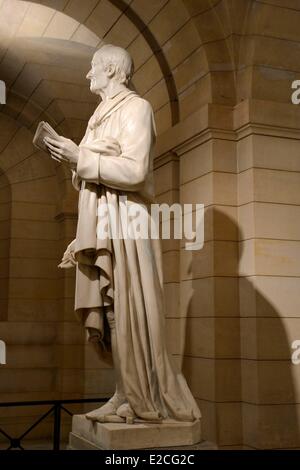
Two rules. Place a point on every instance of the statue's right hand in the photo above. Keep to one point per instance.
(110, 147)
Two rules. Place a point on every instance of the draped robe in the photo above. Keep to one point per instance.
(123, 276)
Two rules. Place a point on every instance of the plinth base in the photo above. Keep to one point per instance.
(90, 435)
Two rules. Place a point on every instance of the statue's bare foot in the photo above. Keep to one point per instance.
(110, 419)
(125, 411)
(110, 408)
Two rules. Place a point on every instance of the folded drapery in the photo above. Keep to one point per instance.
(93, 256)
(107, 146)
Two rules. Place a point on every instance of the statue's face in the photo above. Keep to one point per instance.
(97, 75)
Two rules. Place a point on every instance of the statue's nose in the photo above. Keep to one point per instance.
(89, 75)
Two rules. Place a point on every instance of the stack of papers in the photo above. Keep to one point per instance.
(44, 130)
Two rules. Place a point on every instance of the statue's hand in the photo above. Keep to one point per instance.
(63, 150)
(110, 147)
(106, 147)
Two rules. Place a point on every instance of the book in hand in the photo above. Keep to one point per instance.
(44, 130)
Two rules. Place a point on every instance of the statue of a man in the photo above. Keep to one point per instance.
(119, 283)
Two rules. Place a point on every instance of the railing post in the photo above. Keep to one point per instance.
(56, 429)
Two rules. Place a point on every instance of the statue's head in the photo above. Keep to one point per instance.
(110, 63)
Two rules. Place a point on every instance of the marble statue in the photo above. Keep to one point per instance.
(119, 282)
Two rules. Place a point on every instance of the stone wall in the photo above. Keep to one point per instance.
(236, 315)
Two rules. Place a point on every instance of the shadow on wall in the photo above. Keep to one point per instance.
(5, 227)
(237, 354)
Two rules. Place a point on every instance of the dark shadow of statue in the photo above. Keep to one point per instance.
(239, 364)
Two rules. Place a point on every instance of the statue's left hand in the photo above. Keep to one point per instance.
(64, 150)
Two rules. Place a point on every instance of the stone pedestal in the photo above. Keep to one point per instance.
(105, 436)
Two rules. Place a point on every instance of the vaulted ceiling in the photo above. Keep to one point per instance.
(187, 53)
(46, 48)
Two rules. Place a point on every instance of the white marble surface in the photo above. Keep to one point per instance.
(89, 435)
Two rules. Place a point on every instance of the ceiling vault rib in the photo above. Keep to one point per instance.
(157, 51)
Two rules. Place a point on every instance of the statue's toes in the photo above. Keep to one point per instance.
(125, 411)
(92, 415)
(107, 409)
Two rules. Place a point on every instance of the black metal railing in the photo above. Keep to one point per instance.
(56, 408)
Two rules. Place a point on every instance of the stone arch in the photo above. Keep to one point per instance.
(169, 47)
(182, 63)
(201, 58)
(118, 9)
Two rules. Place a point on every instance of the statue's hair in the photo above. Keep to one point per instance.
(120, 58)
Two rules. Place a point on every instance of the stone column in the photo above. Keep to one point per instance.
(208, 333)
